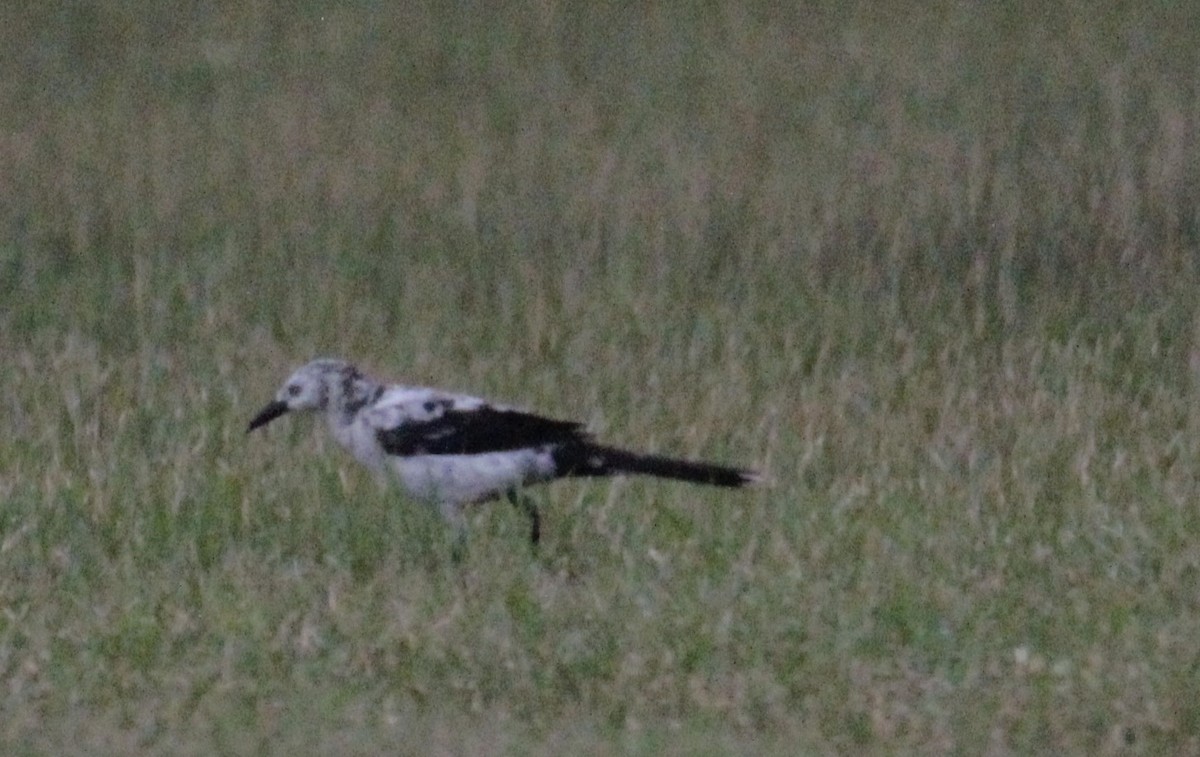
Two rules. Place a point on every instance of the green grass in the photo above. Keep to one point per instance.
(931, 266)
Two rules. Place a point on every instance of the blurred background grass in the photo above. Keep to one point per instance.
(933, 265)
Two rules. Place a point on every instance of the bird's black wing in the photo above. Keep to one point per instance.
(475, 431)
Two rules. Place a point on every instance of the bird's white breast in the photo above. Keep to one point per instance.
(360, 440)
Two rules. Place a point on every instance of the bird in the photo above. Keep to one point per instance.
(452, 450)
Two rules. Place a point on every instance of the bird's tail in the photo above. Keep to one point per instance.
(597, 460)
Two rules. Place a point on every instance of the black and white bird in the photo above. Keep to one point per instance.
(452, 450)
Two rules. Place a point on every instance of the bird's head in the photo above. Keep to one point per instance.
(311, 388)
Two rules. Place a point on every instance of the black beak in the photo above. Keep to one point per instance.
(268, 414)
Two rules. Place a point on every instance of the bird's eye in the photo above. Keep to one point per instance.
(293, 390)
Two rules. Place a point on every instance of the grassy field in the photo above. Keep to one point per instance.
(932, 266)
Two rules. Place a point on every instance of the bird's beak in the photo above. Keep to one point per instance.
(268, 414)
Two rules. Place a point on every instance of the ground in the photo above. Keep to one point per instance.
(931, 266)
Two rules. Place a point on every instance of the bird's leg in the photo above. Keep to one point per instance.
(526, 505)
(458, 547)
(454, 515)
